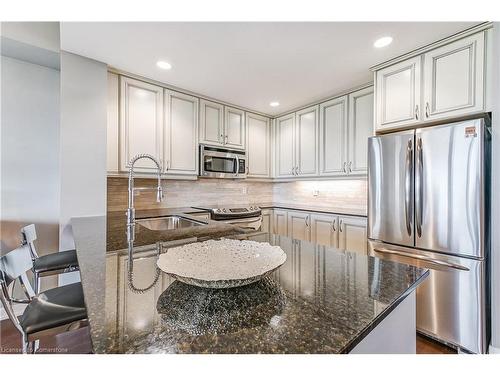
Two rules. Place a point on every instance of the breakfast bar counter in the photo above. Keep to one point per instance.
(320, 300)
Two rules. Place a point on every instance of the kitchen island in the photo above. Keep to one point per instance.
(320, 301)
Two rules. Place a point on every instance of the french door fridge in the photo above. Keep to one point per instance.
(428, 205)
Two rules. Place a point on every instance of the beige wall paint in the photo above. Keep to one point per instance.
(342, 195)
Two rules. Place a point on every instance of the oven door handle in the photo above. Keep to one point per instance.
(423, 258)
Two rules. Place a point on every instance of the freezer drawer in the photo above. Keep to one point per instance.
(450, 186)
(390, 188)
(451, 303)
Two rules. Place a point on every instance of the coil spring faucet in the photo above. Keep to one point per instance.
(132, 189)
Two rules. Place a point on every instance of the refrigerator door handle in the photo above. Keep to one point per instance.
(408, 189)
(419, 187)
(423, 258)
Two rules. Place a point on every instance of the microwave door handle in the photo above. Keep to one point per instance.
(423, 258)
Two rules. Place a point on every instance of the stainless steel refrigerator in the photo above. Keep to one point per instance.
(428, 205)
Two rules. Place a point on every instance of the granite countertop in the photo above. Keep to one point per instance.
(319, 301)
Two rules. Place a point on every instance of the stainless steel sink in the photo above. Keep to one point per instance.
(169, 222)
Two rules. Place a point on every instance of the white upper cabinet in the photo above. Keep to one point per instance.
(441, 83)
(454, 78)
(181, 134)
(285, 146)
(398, 94)
(333, 136)
(113, 123)
(359, 129)
(258, 146)
(211, 123)
(234, 128)
(307, 142)
(141, 123)
(222, 126)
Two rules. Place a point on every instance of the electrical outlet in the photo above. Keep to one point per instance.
(244, 190)
(315, 193)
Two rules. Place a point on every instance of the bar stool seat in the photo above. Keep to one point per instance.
(56, 261)
(54, 308)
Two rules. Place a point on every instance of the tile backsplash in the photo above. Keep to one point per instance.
(341, 195)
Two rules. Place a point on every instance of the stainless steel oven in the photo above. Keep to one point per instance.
(216, 162)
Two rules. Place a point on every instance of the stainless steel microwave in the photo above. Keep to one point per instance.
(216, 162)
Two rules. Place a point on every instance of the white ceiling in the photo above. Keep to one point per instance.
(252, 64)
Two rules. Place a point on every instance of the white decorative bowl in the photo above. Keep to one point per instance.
(221, 263)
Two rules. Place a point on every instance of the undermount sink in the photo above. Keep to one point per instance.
(169, 222)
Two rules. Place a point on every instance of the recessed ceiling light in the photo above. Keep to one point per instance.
(274, 104)
(382, 42)
(163, 65)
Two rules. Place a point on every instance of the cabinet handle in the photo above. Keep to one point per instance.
(225, 142)
(333, 225)
(340, 225)
(296, 171)
(427, 110)
(343, 167)
(350, 166)
(305, 219)
(221, 136)
(416, 112)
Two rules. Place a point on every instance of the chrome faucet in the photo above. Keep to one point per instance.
(132, 189)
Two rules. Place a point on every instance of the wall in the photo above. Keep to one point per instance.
(342, 195)
(83, 143)
(29, 154)
(495, 206)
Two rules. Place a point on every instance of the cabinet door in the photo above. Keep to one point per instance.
(267, 221)
(307, 141)
(181, 130)
(113, 124)
(324, 229)
(234, 129)
(258, 146)
(454, 78)
(353, 234)
(280, 224)
(211, 123)
(298, 225)
(333, 136)
(141, 123)
(398, 94)
(359, 129)
(285, 146)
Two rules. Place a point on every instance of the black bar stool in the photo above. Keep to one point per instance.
(53, 311)
(50, 264)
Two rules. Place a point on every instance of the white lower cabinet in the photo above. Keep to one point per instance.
(342, 232)
(267, 221)
(280, 223)
(352, 234)
(298, 225)
(324, 229)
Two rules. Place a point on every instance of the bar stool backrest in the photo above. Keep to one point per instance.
(29, 236)
(15, 265)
